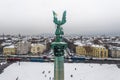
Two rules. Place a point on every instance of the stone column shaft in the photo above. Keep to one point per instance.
(59, 68)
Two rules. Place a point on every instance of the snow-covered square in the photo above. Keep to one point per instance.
(73, 71)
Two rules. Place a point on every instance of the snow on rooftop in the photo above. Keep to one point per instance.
(114, 48)
(78, 43)
(118, 42)
(37, 45)
(11, 46)
(73, 71)
(89, 43)
(118, 48)
(5, 43)
(98, 46)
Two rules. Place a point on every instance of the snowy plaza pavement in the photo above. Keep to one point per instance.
(73, 71)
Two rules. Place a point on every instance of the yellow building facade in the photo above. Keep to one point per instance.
(8, 50)
(37, 49)
(100, 52)
(94, 51)
(80, 50)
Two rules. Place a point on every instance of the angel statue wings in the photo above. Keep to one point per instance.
(59, 30)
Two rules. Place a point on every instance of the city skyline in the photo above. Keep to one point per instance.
(83, 17)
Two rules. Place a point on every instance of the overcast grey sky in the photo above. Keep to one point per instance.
(83, 16)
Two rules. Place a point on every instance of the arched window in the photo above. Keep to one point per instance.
(38, 48)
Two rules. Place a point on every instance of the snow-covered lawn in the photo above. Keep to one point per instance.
(73, 71)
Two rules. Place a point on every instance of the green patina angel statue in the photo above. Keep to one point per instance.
(59, 30)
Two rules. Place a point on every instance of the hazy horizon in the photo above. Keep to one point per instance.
(83, 16)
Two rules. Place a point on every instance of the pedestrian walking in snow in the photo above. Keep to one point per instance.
(49, 78)
(17, 78)
(45, 75)
(19, 63)
(75, 68)
(71, 75)
(43, 72)
(48, 71)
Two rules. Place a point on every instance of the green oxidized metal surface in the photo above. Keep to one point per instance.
(58, 47)
(59, 68)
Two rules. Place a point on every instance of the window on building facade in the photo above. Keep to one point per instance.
(105, 54)
(38, 48)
